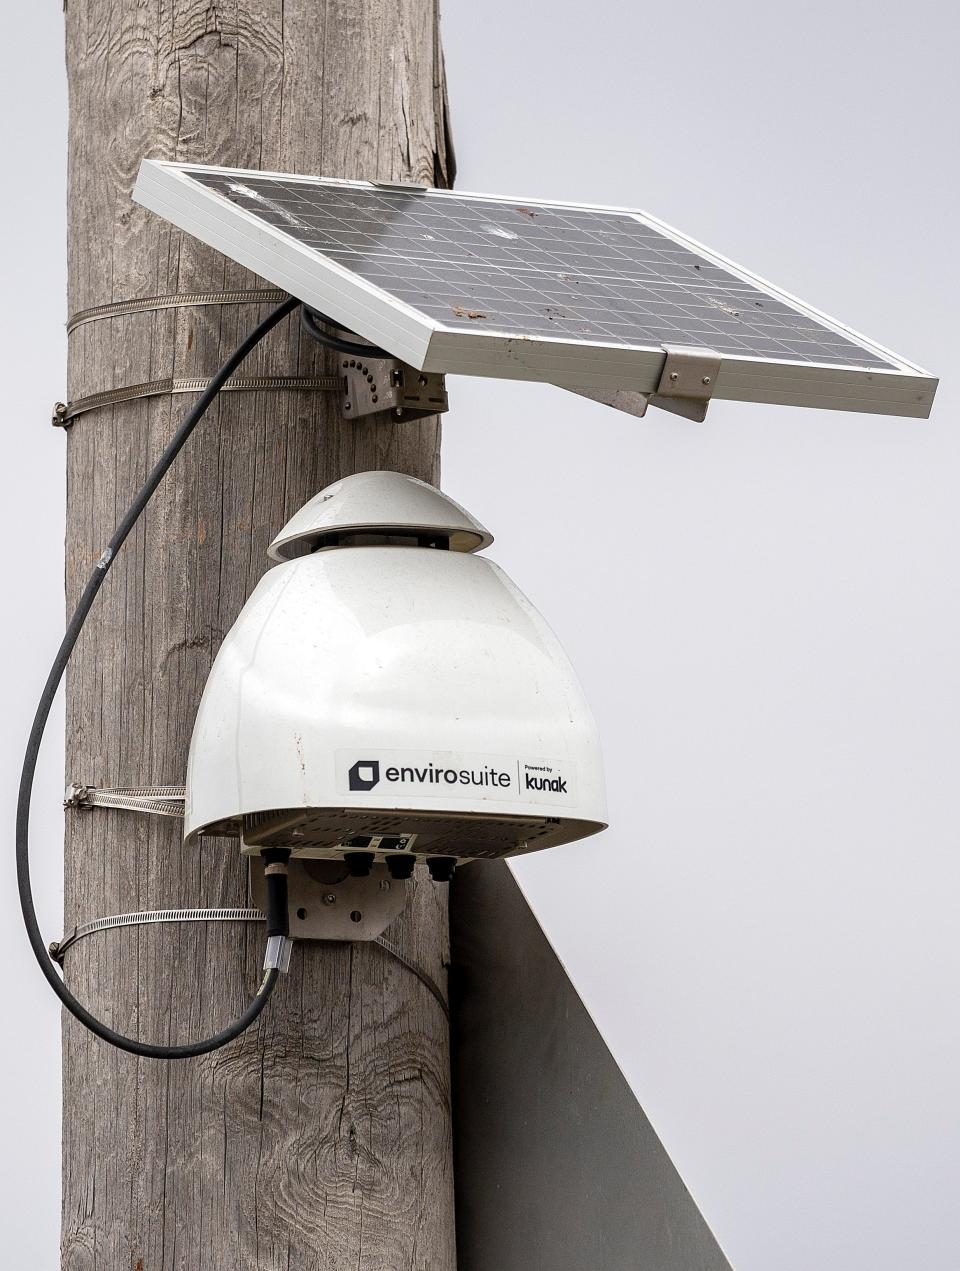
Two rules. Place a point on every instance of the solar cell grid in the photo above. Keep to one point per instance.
(547, 270)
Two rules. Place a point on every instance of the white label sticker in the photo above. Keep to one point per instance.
(438, 774)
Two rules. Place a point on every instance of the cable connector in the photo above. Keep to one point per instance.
(279, 949)
(279, 944)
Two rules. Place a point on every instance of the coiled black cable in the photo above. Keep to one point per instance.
(276, 882)
(309, 319)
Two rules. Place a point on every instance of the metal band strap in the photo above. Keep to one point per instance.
(64, 413)
(60, 947)
(185, 300)
(159, 800)
(427, 981)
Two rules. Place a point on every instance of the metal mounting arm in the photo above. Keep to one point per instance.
(687, 382)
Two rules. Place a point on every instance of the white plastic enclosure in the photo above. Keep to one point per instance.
(392, 698)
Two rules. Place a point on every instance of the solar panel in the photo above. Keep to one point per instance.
(585, 297)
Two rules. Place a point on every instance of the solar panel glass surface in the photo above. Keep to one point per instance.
(543, 270)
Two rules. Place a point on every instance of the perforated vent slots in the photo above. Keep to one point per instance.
(321, 831)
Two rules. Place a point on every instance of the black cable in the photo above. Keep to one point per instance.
(308, 320)
(74, 627)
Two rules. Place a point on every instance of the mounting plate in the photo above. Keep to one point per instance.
(389, 384)
(327, 903)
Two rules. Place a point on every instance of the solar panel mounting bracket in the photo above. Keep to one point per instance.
(629, 401)
(387, 384)
(687, 381)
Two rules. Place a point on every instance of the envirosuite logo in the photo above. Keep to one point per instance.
(433, 774)
(364, 775)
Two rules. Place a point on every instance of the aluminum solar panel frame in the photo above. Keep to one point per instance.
(582, 296)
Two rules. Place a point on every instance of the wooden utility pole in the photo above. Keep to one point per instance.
(322, 1138)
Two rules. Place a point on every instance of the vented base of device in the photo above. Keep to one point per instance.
(326, 833)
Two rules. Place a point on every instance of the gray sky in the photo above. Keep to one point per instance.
(764, 609)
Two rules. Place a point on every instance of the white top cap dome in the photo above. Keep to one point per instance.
(384, 502)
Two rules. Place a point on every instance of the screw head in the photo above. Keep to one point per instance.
(674, 376)
(329, 898)
(706, 379)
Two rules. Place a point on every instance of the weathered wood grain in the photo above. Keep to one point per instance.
(322, 1138)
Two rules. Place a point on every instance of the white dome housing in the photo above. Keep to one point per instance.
(383, 503)
(392, 693)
